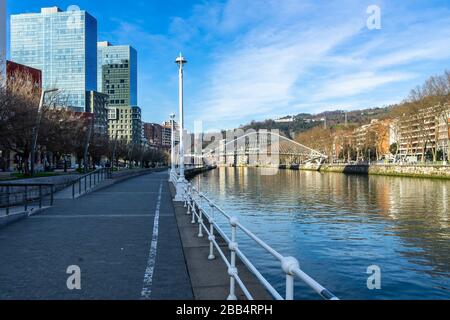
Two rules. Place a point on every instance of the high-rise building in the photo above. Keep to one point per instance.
(97, 104)
(2, 40)
(125, 124)
(63, 44)
(117, 77)
(117, 74)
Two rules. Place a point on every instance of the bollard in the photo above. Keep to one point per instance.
(288, 265)
(232, 271)
(73, 191)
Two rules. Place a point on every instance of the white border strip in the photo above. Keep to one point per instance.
(148, 277)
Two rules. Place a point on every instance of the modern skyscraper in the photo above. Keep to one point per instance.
(117, 74)
(2, 39)
(117, 77)
(61, 44)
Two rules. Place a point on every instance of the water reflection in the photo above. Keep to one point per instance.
(338, 225)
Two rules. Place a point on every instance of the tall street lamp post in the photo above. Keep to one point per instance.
(36, 127)
(88, 141)
(181, 61)
(172, 145)
(113, 160)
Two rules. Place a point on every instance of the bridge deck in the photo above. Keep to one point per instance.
(110, 235)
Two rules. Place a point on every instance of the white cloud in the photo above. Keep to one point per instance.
(354, 84)
(259, 73)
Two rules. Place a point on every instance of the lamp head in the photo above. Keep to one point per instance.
(181, 60)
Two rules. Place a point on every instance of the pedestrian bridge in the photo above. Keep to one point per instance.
(262, 148)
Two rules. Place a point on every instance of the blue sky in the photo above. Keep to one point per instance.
(256, 59)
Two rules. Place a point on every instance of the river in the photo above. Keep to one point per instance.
(338, 225)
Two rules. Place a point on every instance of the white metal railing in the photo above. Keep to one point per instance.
(203, 209)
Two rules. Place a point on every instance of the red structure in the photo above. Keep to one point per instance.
(13, 69)
(7, 158)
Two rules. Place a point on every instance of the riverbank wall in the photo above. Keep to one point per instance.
(414, 171)
(191, 173)
(395, 170)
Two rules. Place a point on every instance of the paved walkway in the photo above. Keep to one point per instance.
(124, 239)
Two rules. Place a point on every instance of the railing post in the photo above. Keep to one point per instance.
(194, 212)
(186, 191)
(51, 197)
(190, 202)
(289, 264)
(90, 181)
(232, 271)
(85, 184)
(7, 200)
(211, 238)
(200, 222)
(26, 198)
(40, 197)
(73, 190)
(79, 187)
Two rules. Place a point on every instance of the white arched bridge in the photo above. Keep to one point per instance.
(263, 148)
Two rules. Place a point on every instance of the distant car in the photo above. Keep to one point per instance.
(412, 160)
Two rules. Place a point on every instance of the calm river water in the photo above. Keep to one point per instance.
(338, 225)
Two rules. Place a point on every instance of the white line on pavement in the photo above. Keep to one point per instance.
(148, 277)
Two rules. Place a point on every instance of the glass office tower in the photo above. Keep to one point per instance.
(61, 44)
(117, 74)
(2, 39)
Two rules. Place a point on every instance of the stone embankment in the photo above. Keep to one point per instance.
(417, 171)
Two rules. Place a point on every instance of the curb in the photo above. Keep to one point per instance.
(13, 218)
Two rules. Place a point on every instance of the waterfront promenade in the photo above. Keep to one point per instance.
(129, 240)
(110, 235)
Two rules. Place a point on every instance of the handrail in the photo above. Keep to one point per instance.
(90, 179)
(197, 203)
(25, 200)
(12, 184)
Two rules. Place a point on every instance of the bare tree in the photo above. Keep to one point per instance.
(19, 103)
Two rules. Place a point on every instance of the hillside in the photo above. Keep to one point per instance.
(305, 121)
